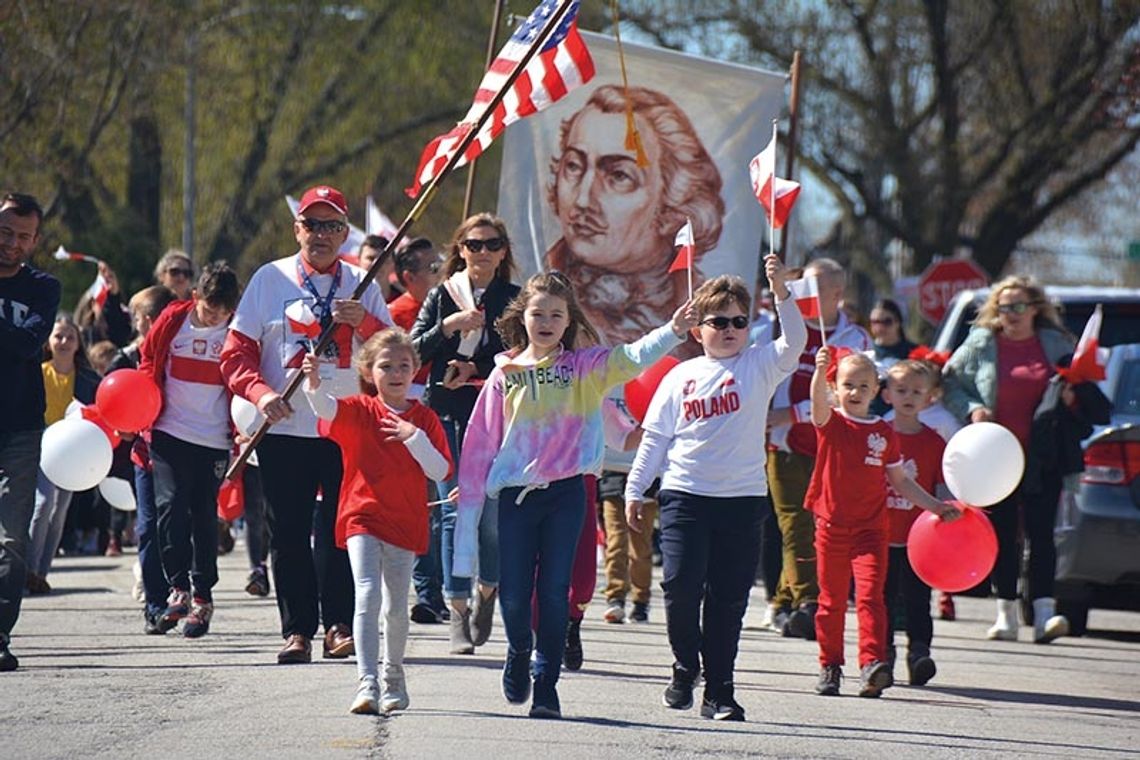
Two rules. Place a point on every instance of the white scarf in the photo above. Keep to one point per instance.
(459, 288)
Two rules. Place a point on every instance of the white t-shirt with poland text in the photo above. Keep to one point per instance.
(710, 415)
(261, 316)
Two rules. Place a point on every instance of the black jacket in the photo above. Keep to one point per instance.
(434, 347)
(28, 303)
(1058, 429)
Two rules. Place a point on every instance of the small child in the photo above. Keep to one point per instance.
(703, 433)
(848, 496)
(535, 431)
(910, 389)
(190, 443)
(390, 446)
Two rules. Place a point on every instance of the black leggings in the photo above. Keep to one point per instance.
(1032, 517)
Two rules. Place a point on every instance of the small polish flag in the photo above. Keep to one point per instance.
(376, 222)
(99, 291)
(62, 254)
(762, 169)
(805, 291)
(1089, 359)
(302, 320)
(684, 241)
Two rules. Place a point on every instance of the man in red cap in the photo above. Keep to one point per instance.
(288, 303)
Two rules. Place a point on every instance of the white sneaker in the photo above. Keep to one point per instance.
(615, 612)
(395, 696)
(1047, 624)
(1005, 627)
(367, 701)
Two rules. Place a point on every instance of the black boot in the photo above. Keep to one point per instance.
(572, 656)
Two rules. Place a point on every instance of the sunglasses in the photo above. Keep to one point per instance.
(1016, 308)
(175, 272)
(325, 226)
(492, 244)
(885, 321)
(721, 323)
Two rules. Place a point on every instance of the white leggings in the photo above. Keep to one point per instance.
(375, 562)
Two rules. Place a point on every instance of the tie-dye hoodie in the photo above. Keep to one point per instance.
(537, 423)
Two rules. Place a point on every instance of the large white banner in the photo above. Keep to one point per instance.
(575, 199)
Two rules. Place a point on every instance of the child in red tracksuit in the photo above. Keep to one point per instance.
(848, 496)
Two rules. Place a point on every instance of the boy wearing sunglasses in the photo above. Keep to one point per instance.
(704, 434)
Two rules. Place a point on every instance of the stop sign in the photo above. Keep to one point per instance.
(942, 280)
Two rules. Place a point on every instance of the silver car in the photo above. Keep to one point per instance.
(1098, 519)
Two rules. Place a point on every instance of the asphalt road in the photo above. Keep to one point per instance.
(92, 685)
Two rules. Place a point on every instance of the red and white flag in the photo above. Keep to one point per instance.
(1089, 359)
(683, 241)
(563, 64)
(805, 291)
(62, 254)
(99, 291)
(302, 320)
(376, 222)
(762, 169)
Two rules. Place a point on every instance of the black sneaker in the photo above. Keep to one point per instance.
(197, 623)
(425, 614)
(152, 624)
(545, 704)
(8, 661)
(572, 656)
(679, 693)
(921, 668)
(875, 677)
(720, 705)
(640, 613)
(829, 678)
(801, 623)
(258, 582)
(516, 677)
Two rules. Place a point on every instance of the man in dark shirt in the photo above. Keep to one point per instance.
(29, 299)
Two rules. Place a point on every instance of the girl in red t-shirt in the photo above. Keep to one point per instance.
(390, 446)
(848, 495)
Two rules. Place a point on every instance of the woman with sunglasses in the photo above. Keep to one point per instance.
(175, 271)
(1000, 374)
(887, 331)
(455, 333)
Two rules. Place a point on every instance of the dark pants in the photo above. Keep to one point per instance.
(537, 541)
(146, 531)
(256, 535)
(186, 481)
(771, 551)
(427, 572)
(313, 577)
(907, 589)
(709, 547)
(1033, 517)
(19, 466)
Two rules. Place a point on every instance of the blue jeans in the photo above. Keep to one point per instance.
(48, 519)
(146, 531)
(427, 572)
(457, 586)
(538, 541)
(19, 463)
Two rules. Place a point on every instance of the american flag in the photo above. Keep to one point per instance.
(563, 64)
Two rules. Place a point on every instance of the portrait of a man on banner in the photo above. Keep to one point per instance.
(579, 200)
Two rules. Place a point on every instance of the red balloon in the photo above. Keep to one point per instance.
(952, 556)
(128, 400)
(640, 389)
(91, 414)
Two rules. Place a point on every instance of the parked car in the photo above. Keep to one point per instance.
(1098, 520)
(1076, 304)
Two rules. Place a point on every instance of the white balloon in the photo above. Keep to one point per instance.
(118, 493)
(75, 454)
(982, 464)
(247, 418)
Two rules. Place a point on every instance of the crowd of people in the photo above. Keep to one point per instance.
(463, 436)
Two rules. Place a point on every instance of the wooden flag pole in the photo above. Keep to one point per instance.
(793, 128)
(469, 191)
(413, 216)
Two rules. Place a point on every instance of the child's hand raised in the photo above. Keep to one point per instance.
(822, 359)
(684, 319)
(777, 275)
(397, 428)
(311, 366)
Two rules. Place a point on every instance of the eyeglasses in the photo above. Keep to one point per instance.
(476, 245)
(1016, 308)
(324, 226)
(175, 272)
(721, 323)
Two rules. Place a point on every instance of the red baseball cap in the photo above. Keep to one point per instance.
(324, 194)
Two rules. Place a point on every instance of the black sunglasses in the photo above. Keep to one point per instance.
(328, 226)
(176, 272)
(1016, 308)
(492, 244)
(721, 323)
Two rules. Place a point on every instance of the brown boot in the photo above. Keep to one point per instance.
(297, 650)
(338, 642)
